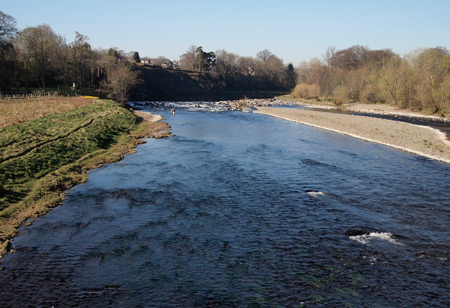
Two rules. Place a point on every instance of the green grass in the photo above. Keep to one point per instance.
(40, 159)
(31, 150)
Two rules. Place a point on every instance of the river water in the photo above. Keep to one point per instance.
(242, 210)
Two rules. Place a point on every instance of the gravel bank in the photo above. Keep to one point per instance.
(421, 140)
(147, 116)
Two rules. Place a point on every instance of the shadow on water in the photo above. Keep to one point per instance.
(242, 210)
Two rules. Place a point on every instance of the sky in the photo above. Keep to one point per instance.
(294, 31)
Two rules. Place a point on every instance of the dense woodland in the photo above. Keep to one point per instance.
(38, 58)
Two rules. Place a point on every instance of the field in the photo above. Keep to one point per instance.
(18, 111)
(41, 157)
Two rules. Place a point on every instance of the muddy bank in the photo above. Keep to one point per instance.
(420, 140)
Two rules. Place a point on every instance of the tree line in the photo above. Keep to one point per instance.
(418, 81)
(263, 72)
(37, 57)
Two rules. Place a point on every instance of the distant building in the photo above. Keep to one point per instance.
(160, 61)
(145, 61)
(167, 64)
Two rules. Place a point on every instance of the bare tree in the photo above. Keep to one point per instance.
(246, 66)
(397, 83)
(351, 58)
(329, 54)
(274, 71)
(120, 80)
(432, 66)
(62, 60)
(355, 81)
(8, 29)
(8, 32)
(379, 57)
(264, 55)
(226, 65)
(443, 95)
(80, 54)
(37, 46)
(187, 60)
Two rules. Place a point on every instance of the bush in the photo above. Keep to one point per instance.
(340, 95)
(369, 95)
(305, 90)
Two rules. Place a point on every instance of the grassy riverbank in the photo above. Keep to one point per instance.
(43, 157)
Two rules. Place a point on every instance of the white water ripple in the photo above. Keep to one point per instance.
(367, 238)
(315, 194)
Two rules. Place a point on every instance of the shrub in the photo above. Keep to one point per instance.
(340, 95)
(369, 95)
(305, 90)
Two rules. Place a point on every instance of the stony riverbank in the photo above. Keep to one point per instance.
(420, 140)
(383, 109)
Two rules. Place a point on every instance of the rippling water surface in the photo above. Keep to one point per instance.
(243, 210)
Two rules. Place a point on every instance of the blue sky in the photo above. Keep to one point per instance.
(295, 31)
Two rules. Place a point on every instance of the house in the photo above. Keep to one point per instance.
(167, 64)
(145, 61)
(160, 61)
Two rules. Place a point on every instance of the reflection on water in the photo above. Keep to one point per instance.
(243, 210)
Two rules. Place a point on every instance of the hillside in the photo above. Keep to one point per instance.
(160, 84)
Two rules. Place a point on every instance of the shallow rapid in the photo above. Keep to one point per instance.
(241, 210)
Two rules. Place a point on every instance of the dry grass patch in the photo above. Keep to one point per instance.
(21, 110)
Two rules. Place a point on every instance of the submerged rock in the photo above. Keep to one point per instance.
(357, 231)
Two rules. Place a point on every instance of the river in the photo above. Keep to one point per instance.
(242, 210)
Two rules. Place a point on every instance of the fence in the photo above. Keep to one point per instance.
(14, 96)
(7, 97)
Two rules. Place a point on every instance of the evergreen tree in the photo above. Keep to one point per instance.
(291, 77)
(136, 58)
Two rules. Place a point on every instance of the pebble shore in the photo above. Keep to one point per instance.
(421, 140)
